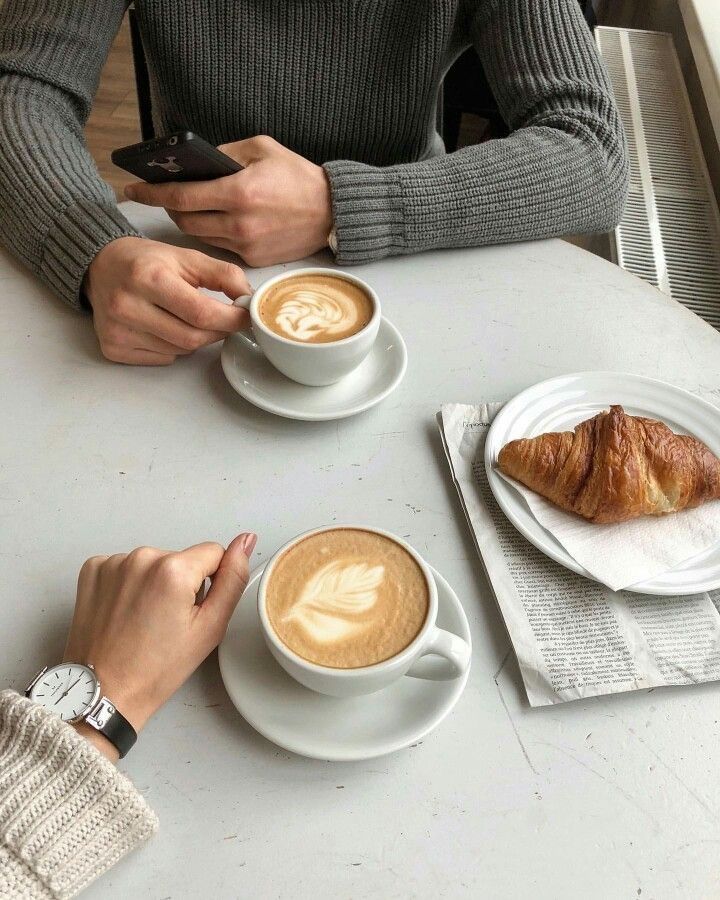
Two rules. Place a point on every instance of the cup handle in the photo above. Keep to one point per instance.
(454, 661)
(246, 334)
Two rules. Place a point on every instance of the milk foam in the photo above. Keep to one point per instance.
(309, 313)
(337, 600)
(346, 598)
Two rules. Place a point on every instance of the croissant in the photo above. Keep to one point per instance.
(615, 467)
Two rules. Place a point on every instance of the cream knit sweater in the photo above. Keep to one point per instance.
(66, 813)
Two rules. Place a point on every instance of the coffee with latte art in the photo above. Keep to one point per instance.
(347, 598)
(315, 309)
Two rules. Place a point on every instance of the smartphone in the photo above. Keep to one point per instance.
(182, 156)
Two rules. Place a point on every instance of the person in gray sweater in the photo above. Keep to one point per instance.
(66, 813)
(332, 108)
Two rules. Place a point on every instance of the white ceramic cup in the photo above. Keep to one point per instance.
(312, 364)
(434, 654)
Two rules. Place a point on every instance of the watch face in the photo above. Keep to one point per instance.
(69, 690)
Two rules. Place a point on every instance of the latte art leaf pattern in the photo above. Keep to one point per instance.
(333, 602)
(308, 313)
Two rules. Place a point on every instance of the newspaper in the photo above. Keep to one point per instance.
(574, 637)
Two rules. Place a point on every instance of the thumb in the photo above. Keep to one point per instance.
(230, 579)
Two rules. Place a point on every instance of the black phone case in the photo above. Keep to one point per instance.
(178, 157)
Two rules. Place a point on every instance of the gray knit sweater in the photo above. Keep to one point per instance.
(352, 84)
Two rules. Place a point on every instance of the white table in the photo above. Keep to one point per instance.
(597, 799)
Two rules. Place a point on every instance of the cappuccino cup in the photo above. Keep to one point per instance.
(314, 325)
(346, 610)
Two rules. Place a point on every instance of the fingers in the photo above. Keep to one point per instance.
(172, 317)
(219, 275)
(176, 318)
(131, 357)
(145, 341)
(202, 560)
(183, 574)
(155, 331)
(89, 572)
(230, 580)
(183, 196)
(206, 313)
(202, 270)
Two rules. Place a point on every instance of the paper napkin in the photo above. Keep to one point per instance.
(626, 554)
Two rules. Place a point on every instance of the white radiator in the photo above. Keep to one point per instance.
(670, 231)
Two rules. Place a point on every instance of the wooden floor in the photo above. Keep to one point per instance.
(114, 120)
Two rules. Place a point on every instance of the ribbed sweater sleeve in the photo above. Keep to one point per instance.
(66, 813)
(55, 211)
(563, 169)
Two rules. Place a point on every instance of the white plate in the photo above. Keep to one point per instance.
(255, 379)
(330, 728)
(559, 404)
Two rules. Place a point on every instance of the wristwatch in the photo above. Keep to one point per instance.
(72, 691)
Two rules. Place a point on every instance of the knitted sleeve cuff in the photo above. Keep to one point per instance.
(66, 813)
(17, 881)
(77, 235)
(368, 211)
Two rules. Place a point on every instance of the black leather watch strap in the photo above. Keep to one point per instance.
(119, 732)
(106, 719)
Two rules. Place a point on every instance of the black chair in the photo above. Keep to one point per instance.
(142, 78)
(465, 89)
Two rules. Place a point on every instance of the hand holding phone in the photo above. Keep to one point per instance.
(277, 209)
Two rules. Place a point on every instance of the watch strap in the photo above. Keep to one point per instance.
(113, 725)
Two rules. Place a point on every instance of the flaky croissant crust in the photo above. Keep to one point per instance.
(615, 467)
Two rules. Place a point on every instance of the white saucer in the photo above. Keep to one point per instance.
(559, 404)
(255, 379)
(329, 728)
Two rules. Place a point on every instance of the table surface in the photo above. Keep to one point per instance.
(611, 797)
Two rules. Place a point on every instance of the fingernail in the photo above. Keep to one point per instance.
(130, 191)
(247, 542)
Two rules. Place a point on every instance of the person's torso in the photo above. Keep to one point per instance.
(331, 79)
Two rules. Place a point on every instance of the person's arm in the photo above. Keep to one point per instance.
(66, 814)
(564, 168)
(60, 218)
(56, 213)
